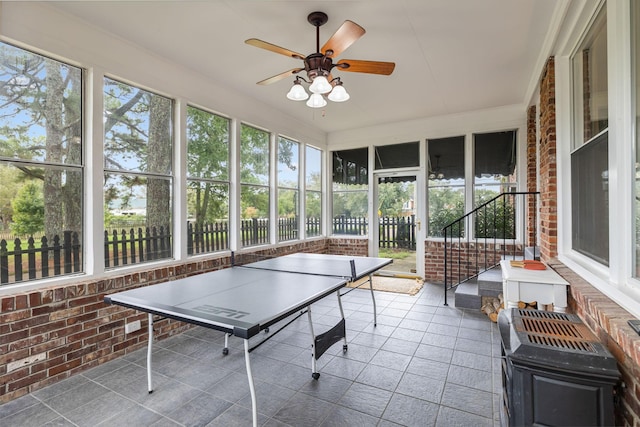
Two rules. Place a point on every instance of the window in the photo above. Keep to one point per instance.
(350, 191)
(392, 156)
(446, 183)
(288, 189)
(494, 165)
(137, 175)
(41, 167)
(207, 182)
(254, 186)
(313, 192)
(589, 159)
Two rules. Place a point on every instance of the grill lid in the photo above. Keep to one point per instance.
(554, 340)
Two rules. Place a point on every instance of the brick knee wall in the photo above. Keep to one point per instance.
(49, 334)
(348, 246)
(465, 255)
(609, 322)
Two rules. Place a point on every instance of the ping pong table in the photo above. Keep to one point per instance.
(246, 299)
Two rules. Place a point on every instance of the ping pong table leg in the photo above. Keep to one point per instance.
(252, 390)
(344, 346)
(373, 299)
(314, 367)
(225, 350)
(149, 349)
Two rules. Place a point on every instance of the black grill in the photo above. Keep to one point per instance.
(554, 371)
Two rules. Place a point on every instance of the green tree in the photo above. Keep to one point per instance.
(446, 204)
(207, 158)
(41, 121)
(28, 210)
(392, 196)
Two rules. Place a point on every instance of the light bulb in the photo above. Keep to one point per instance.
(297, 92)
(316, 101)
(320, 85)
(339, 94)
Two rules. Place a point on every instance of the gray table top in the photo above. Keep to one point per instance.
(237, 300)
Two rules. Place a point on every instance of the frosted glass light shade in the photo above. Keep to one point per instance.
(338, 94)
(316, 101)
(320, 85)
(297, 93)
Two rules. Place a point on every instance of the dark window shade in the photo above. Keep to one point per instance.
(351, 166)
(446, 156)
(495, 153)
(398, 155)
(590, 199)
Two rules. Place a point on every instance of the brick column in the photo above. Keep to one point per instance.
(548, 164)
(532, 185)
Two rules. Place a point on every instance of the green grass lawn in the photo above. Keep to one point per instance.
(395, 253)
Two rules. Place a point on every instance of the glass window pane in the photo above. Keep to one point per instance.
(589, 160)
(288, 184)
(207, 217)
(351, 166)
(254, 156)
(590, 88)
(446, 204)
(137, 219)
(397, 155)
(313, 205)
(590, 200)
(350, 191)
(41, 166)
(446, 184)
(208, 145)
(350, 209)
(137, 129)
(313, 169)
(207, 182)
(287, 214)
(40, 108)
(288, 163)
(254, 203)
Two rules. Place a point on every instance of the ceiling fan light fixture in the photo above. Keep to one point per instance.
(339, 93)
(297, 92)
(320, 85)
(316, 101)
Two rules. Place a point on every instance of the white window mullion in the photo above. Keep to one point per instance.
(180, 180)
(94, 161)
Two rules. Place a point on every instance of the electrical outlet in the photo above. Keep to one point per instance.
(132, 327)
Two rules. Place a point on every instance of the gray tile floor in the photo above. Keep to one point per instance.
(425, 364)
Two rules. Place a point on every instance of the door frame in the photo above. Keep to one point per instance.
(419, 209)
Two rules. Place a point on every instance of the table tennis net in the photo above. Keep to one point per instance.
(248, 259)
(240, 259)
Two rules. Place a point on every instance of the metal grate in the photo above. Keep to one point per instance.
(556, 330)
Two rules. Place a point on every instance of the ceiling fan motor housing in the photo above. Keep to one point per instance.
(317, 64)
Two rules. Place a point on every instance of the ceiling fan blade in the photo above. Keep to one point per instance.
(280, 76)
(371, 67)
(273, 48)
(344, 37)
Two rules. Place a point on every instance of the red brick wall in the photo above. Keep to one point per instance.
(470, 255)
(348, 246)
(50, 334)
(532, 174)
(548, 175)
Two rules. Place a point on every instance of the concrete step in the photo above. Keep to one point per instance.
(490, 282)
(466, 296)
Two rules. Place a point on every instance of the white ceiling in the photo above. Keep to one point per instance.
(451, 55)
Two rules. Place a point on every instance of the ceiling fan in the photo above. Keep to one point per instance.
(319, 65)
